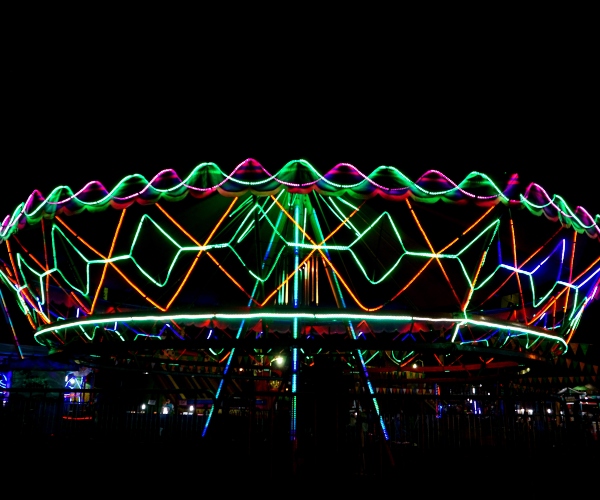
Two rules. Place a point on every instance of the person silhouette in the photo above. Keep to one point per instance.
(167, 409)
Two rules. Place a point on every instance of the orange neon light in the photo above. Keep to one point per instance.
(312, 251)
(432, 250)
(402, 365)
(468, 229)
(521, 266)
(412, 280)
(56, 336)
(47, 267)
(110, 253)
(25, 290)
(441, 251)
(472, 287)
(514, 245)
(570, 334)
(570, 271)
(127, 280)
(554, 299)
(83, 306)
(572, 330)
(12, 262)
(232, 278)
(41, 266)
(325, 261)
(181, 228)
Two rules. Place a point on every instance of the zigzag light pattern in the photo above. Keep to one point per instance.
(190, 252)
(335, 194)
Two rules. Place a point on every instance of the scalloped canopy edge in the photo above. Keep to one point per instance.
(298, 176)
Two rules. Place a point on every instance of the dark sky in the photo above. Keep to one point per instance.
(69, 120)
(67, 141)
(75, 108)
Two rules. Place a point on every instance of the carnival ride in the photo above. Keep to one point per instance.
(256, 277)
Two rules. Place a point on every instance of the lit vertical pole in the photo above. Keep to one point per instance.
(342, 305)
(295, 302)
(259, 283)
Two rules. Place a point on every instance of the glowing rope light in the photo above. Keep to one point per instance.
(110, 253)
(239, 332)
(284, 211)
(342, 304)
(47, 273)
(553, 301)
(194, 240)
(22, 290)
(10, 324)
(55, 201)
(522, 265)
(112, 263)
(570, 270)
(46, 267)
(475, 284)
(295, 320)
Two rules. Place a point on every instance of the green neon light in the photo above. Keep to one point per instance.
(298, 316)
(207, 177)
(32, 279)
(179, 250)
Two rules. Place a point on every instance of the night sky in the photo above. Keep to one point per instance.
(69, 122)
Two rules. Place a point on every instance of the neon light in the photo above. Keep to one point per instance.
(514, 246)
(191, 238)
(110, 253)
(112, 263)
(209, 171)
(10, 324)
(472, 287)
(570, 271)
(436, 256)
(294, 250)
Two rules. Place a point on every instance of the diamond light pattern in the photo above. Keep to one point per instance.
(211, 263)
